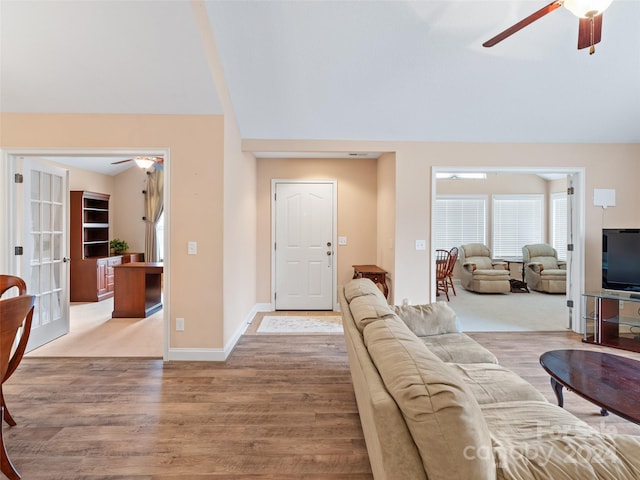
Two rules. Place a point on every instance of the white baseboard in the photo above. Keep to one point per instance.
(217, 354)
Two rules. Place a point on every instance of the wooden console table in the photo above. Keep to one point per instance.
(375, 274)
(138, 290)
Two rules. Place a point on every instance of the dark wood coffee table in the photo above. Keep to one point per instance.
(609, 381)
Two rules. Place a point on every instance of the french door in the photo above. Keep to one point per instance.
(39, 232)
(303, 245)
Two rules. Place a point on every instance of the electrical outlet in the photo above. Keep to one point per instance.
(421, 244)
(179, 324)
(192, 248)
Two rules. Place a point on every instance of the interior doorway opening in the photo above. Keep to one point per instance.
(575, 229)
(93, 160)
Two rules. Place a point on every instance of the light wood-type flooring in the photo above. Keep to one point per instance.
(282, 407)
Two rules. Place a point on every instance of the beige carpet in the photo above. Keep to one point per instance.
(93, 333)
(300, 324)
(509, 312)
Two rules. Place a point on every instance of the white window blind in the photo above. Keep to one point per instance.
(559, 224)
(460, 219)
(517, 221)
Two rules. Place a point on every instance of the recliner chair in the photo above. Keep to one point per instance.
(543, 271)
(479, 273)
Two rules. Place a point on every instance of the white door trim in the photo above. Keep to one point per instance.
(5, 206)
(576, 275)
(334, 182)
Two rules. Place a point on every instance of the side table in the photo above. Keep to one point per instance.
(375, 274)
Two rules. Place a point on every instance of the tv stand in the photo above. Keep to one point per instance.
(607, 324)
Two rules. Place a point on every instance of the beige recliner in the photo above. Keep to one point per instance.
(481, 274)
(543, 271)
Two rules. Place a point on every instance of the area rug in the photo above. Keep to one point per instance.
(300, 324)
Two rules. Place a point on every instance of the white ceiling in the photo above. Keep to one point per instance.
(102, 164)
(356, 70)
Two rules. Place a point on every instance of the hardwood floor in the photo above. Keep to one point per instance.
(281, 407)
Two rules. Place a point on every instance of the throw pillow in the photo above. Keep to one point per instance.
(430, 319)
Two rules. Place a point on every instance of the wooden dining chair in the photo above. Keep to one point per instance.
(7, 282)
(15, 312)
(453, 257)
(442, 272)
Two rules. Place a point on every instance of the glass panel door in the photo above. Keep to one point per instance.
(44, 265)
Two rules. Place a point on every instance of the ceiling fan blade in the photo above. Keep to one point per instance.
(122, 161)
(523, 23)
(585, 31)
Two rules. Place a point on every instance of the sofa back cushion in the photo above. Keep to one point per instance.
(444, 419)
(362, 286)
(431, 319)
(369, 308)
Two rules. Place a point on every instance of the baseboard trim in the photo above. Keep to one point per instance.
(217, 354)
(197, 354)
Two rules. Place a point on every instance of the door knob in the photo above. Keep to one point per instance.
(66, 259)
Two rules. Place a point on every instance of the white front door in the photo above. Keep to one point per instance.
(304, 251)
(40, 225)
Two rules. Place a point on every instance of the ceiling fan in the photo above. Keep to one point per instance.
(143, 162)
(589, 13)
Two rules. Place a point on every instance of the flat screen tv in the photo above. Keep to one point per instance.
(621, 259)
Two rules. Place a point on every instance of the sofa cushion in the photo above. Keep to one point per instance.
(369, 308)
(430, 319)
(542, 440)
(491, 383)
(362, 286)
(441, 413)
(458, 348)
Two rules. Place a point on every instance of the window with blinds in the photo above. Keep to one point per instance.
(517, 221)
(559, 224)
(460, 219)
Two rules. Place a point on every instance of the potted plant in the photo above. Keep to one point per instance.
(118, 246)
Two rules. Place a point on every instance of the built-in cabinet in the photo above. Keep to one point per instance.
(92, 276)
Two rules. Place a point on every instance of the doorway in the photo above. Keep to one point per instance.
(9, 159)
(575, 228)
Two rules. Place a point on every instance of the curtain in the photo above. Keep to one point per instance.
(153, 205)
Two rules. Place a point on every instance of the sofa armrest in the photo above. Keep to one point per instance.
(562, 265)
(536, 267)
(470, 266)
(499, 265)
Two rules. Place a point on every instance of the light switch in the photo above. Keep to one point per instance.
(342, 240)
(421, 244)
(192, 248)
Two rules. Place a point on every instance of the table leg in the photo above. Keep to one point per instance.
(557, 389)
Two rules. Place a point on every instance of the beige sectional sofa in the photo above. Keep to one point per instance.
(434, 404)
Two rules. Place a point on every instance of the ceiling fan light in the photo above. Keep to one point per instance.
(143, 162)
(587, 8)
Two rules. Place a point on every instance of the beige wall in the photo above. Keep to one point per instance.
(207, 191)
(605, 166)
(357, 210)
(196, 185)
(414, 161)
(239, 260)
(127, 207)
(386, 218)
